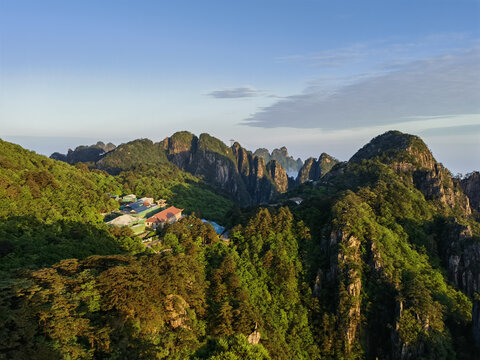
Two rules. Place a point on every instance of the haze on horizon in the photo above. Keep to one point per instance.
(313, 76)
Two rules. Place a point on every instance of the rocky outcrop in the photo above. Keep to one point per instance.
(235, 170)
(281, 155)
(314, 170)
(83, 153)
(278, 175)
(471, 187)
(409, 155)
(435, 183)
(176, 311)
(461, 254)
(259, 183)
(347, 270)
(264, 153)
(308, 172)
(255, 336)
(208, 157)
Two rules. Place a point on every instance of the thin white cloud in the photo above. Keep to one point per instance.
(462, 130)
(444, 85)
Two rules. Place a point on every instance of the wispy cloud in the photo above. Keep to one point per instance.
(235, 93)
(453, 130)
(384, 53)
(331, 58)
(443, 85)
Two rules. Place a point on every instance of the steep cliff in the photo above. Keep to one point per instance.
(254, 173)
(281, 155)
(398, 253)
(278, 175)
(210, 158)
(315, 169)
(409, 155)
(235, 170)
(471, 186)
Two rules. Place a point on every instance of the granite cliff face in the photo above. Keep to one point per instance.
(278, 175)
(315, 169)
(252, 168)
(210, 158)
(399, 210)
(281, 155)
(471, 187)
(235, 170)
(409, 155)
(462, 255)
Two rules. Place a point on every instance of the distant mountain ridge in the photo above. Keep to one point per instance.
(235, 170)
(281, 155)
(84, 153)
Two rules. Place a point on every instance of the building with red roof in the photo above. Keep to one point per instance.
(167, 216)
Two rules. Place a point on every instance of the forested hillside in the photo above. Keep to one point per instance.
(379, 261)
(51, 210)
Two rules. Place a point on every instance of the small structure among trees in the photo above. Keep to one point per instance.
(170, 215)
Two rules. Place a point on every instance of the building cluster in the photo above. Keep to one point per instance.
(139, 214)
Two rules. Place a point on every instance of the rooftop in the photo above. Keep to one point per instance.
(163, 216)
(123, 220)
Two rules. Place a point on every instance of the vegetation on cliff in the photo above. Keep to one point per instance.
(380, 260)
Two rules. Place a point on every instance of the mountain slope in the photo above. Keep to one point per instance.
(91, 153)
(380, 260)
(32, 184)
(390, 224)
(50, 210)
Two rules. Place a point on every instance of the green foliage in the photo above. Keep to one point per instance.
(179, 188)
(33, 185)
(235, 347)
(272, 271)
(383, 232)
(365, 279)
(50, 211)
(132, 154)
(212, 144)
(30, 243)
(116, 307)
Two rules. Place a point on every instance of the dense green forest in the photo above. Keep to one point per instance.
(50, 210)
(372, 264)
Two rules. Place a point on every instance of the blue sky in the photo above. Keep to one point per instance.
(316, 76)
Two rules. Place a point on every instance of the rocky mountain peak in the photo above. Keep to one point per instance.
(409, 155)
(281, 155)
(314, 169)
(395, 146)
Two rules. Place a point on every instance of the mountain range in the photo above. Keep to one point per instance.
(379, 259)
(249, 178)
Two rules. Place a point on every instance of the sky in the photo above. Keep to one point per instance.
(315, 76)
